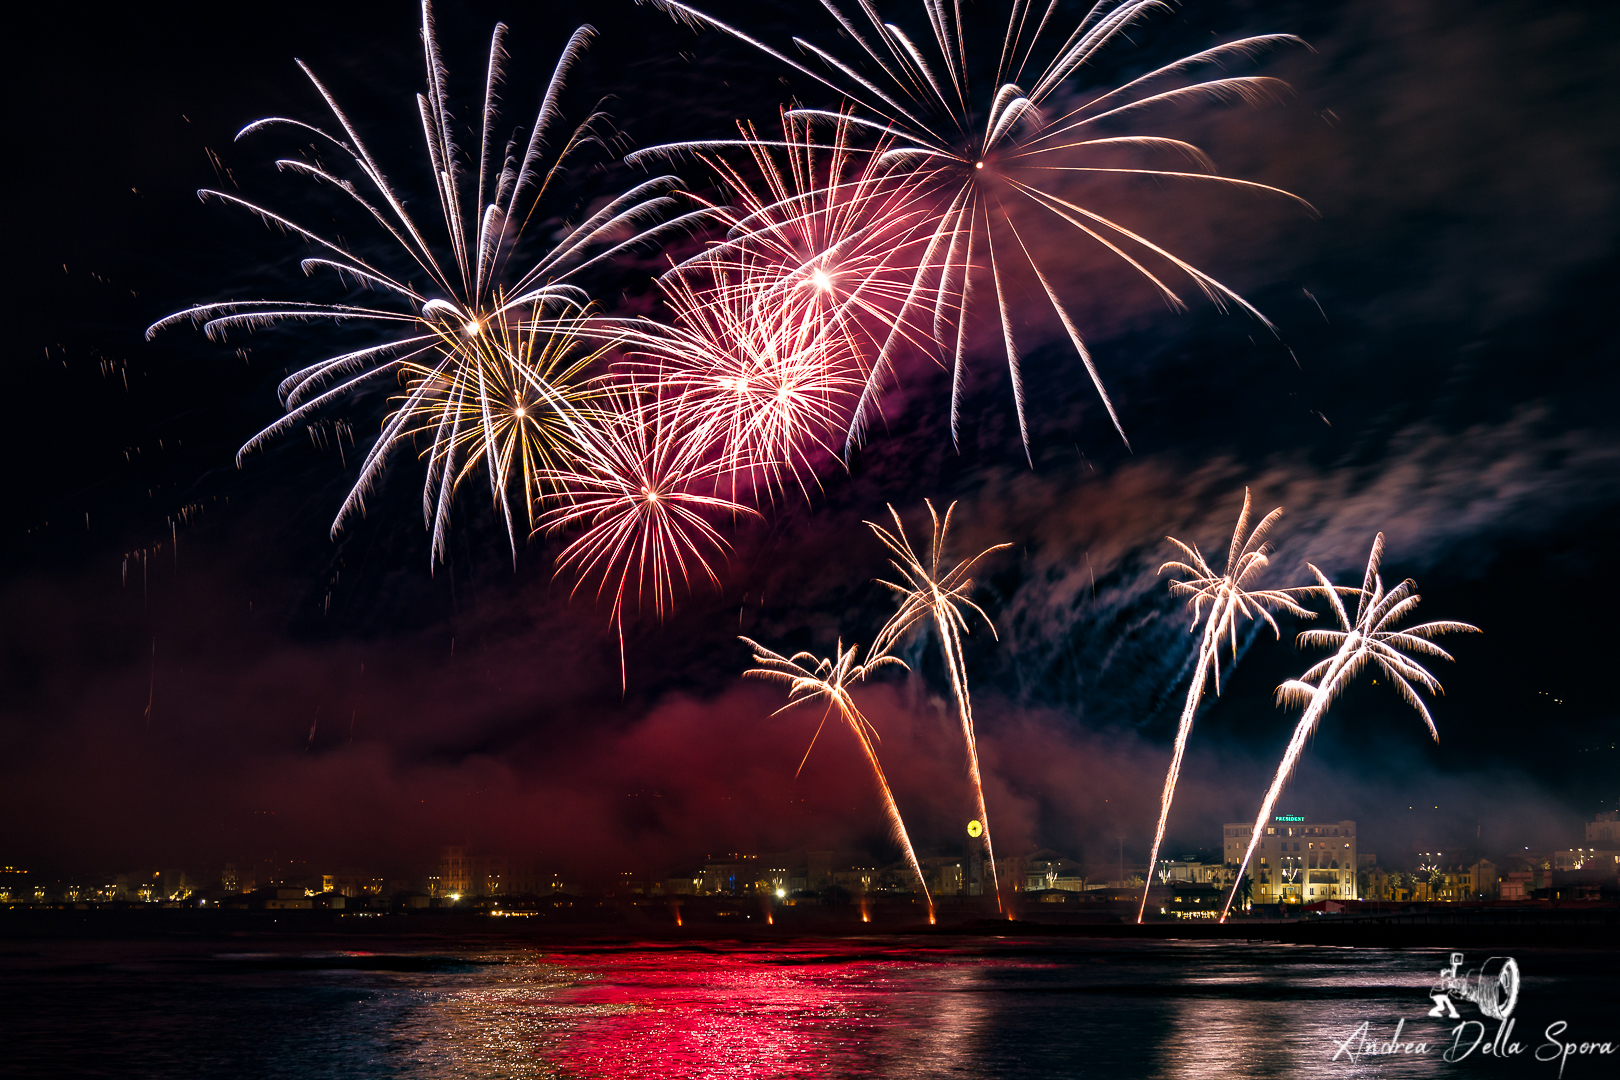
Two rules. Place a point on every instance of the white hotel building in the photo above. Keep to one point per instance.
(1297, 861)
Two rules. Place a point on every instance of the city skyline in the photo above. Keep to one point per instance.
(471, 872)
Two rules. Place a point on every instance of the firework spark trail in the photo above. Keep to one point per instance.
(481, 274)
(831, 678)
(1227, 598)
(977, 150)
(1372, 637)
(928, 594)
(640, 495)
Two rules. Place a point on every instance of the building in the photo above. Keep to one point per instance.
(944, 876)
(1181, 871)
(1046, 870)
(733, 874)
(1461, 883)
(1382, 884)
(454, 877)
(1517, 885)
(1297, 861)
(1605, 831)
(1594, 859)
(351, 882)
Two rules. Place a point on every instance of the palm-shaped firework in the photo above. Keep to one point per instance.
(1372, 638)
(830, 679)
(929, 594)
(481, 272)
(980, 145)
(1218, 599)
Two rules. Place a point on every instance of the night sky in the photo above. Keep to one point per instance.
(193, 671)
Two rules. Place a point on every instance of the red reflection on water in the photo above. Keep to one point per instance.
(745, 1013)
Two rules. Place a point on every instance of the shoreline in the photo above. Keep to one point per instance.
(1597, 929)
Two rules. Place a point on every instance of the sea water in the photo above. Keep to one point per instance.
(897, 1007)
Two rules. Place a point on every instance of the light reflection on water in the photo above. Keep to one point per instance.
(872, 1007)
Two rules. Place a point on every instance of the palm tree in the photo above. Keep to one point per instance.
(1245, 889)
(1372, 638)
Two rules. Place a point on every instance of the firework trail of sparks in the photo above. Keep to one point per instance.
(1372, 637)
(1218, 599)
(641, 495)
(929, 594)
(481, 273)
(980, 146)
(831, 679)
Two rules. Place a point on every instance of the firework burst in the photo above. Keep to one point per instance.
(643, 496)
(1372, 637)
(823, 230)
(517, 403)
(1217, 599)
(760, 386)
(927, 593)
(981, 145)
(810, 678)
(482, 273)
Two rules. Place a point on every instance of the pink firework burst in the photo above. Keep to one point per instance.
(761, 382)
(643, 491)
(824, 245)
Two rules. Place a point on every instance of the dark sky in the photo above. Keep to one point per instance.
(192, 670)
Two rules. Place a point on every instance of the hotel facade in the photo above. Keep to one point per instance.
(1297, 861)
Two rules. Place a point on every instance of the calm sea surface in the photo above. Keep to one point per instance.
(867, 1007)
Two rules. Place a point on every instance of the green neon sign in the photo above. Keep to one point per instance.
(1287, 817)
